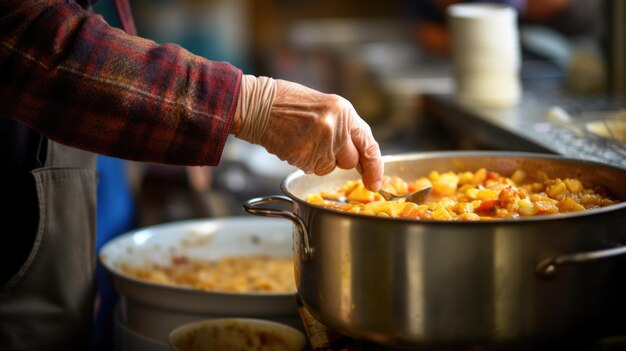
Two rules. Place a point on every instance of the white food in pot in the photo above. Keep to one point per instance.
(155, 309)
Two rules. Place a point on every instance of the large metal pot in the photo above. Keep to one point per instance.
(422, 283)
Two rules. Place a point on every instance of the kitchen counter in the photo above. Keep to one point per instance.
(546, 120)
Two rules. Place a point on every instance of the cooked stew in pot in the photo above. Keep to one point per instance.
(473, 196)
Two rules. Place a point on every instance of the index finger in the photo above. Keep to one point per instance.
(370, 159)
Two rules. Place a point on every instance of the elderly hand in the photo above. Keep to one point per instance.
(313, 131)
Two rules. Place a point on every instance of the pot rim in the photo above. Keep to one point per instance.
(464, 154)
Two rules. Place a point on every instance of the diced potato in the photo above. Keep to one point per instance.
(541, 198)
(335, 196)
(398, 186)
(409, 210)
(557, 191)
(546, 207)
(476, 204)
(472, 193)
(466, 178)
(543, 176)
(314, 198)
(527, 211)
(361, 194)
(524, 203)
(441, 214)
(350, 186)
(378, 206)
(575, 186)
(569, 205)
(469, 216)
(480, 176)
(445, 184)
(447, 203)
(465, 187)
(518, 176)
(487, 194)
(355, 209)
(464, 207)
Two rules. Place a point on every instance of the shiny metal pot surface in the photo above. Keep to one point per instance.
(413, 283)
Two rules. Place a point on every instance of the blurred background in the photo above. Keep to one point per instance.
(363, 50)
(392, 60)
(382, 56)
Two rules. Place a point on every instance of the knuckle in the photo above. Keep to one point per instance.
(328, 123)
(373, 150)
(336, 103)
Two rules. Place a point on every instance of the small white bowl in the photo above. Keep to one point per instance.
(226, 334)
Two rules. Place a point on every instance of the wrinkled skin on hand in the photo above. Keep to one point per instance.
(317, 132)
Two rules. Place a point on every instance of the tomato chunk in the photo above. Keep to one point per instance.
(489, 206)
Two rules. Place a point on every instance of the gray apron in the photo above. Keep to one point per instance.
(48, 304)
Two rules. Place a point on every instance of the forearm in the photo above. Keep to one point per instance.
(69, 75)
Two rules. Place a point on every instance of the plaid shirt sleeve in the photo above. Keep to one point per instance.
(69, 75)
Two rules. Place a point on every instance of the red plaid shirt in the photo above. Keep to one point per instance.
(69, 75)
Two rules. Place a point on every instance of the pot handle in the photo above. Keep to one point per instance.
(547, 268)
(251, 206)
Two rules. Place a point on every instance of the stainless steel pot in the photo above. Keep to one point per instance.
(412, 283)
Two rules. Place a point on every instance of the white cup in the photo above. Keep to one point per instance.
(496, 90)
(476, 58)
(486, 53)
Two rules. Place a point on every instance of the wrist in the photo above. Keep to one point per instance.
(236, 126)
(253, 111)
